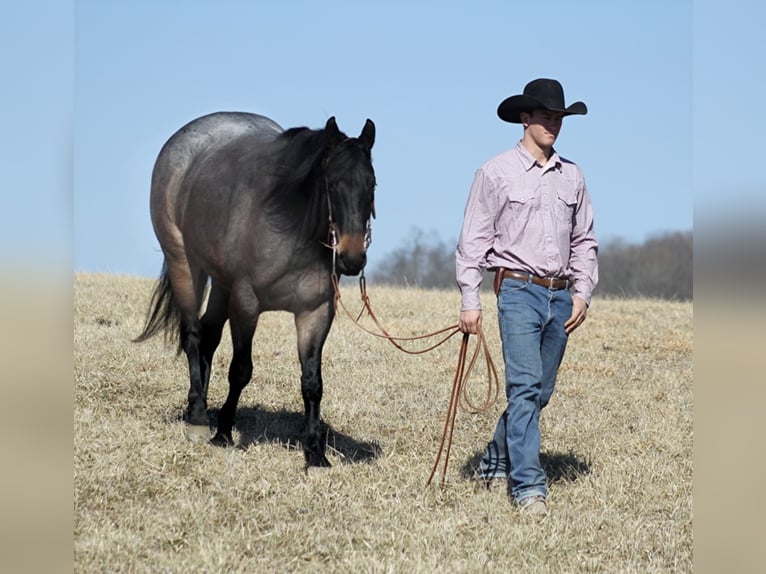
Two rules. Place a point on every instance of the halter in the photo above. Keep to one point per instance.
(332, 227)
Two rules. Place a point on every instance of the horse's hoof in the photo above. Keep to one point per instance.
(317, 461)
(222, 440)
(197, 433)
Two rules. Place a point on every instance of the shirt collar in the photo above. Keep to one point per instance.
(529, 162)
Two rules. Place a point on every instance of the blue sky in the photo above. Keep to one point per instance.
(112, 80)
(429, 74)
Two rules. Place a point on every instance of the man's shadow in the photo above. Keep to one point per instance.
(260, 425)
(559, 467)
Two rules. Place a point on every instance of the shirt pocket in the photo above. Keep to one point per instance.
(517, 213)
(565, 205)
(519, 198)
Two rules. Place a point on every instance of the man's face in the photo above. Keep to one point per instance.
(543, 126)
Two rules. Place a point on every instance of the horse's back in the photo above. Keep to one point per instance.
(218, 128)
(179, 153)
(205, 133)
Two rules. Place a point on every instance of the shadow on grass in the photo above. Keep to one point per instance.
(559, 467)
(259, 425)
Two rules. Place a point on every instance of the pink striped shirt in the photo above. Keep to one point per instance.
(527, 217)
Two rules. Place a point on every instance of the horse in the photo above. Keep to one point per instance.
(253, 218)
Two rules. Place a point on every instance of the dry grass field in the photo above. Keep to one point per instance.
(617, 444)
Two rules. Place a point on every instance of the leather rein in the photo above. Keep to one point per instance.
(459, 395)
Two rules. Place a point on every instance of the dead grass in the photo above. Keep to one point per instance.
(617, 442)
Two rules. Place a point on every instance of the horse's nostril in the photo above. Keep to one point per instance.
(349, 264)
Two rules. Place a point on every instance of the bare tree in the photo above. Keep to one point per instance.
(424, 261)
(662, 267)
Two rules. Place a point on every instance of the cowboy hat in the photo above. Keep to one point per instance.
(538, 94)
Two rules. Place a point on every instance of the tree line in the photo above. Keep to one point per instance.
(661, 267)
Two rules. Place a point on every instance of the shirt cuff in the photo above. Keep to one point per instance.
(470, 300)
(584, 295)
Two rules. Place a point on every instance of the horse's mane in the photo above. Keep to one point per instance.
(291, 157)
(295, 154)
(295, 199)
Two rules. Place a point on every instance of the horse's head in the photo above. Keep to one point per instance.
(350, 182)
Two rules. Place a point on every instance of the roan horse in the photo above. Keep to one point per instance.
(267, 217)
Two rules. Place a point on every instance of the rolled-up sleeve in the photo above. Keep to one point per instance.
(476, 239)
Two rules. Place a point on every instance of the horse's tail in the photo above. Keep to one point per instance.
(164, 314)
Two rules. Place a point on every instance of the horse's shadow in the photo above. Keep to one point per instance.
(559, 467)
(260, 425)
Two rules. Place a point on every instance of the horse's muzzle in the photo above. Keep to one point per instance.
(351, 255)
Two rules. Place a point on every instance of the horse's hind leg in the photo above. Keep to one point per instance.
(243, 317)
(312, 328)
(212, 323)
(188, 287)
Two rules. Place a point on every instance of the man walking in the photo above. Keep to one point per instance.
(529, 218)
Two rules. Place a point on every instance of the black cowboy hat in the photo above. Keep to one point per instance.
(538, 94)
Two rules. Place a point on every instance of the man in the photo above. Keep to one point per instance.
(529, 218)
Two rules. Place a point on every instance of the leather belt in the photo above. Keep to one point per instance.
(554, 283)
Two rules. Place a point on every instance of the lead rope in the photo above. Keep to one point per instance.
(459, 397)
(382, 332)
(459, 394)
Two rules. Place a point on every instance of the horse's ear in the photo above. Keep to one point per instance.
(332, 133)
(367, 137)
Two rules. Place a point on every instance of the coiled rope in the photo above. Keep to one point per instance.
(459, 395)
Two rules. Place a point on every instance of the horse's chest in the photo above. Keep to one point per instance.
(294, 293)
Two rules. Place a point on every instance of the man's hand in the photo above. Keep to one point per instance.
(579, 312)
(470, 321)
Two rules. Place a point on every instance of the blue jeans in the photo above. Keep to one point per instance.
(531, 319)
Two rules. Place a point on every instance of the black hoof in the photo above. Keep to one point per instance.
(222, 440)
(196, 417)
(318, 460)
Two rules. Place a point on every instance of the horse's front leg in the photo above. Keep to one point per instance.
(243, 317)
(312, 328)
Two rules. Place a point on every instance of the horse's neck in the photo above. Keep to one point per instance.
(316, 215)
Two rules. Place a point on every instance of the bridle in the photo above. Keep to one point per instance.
(332, 225)
(333, 234)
